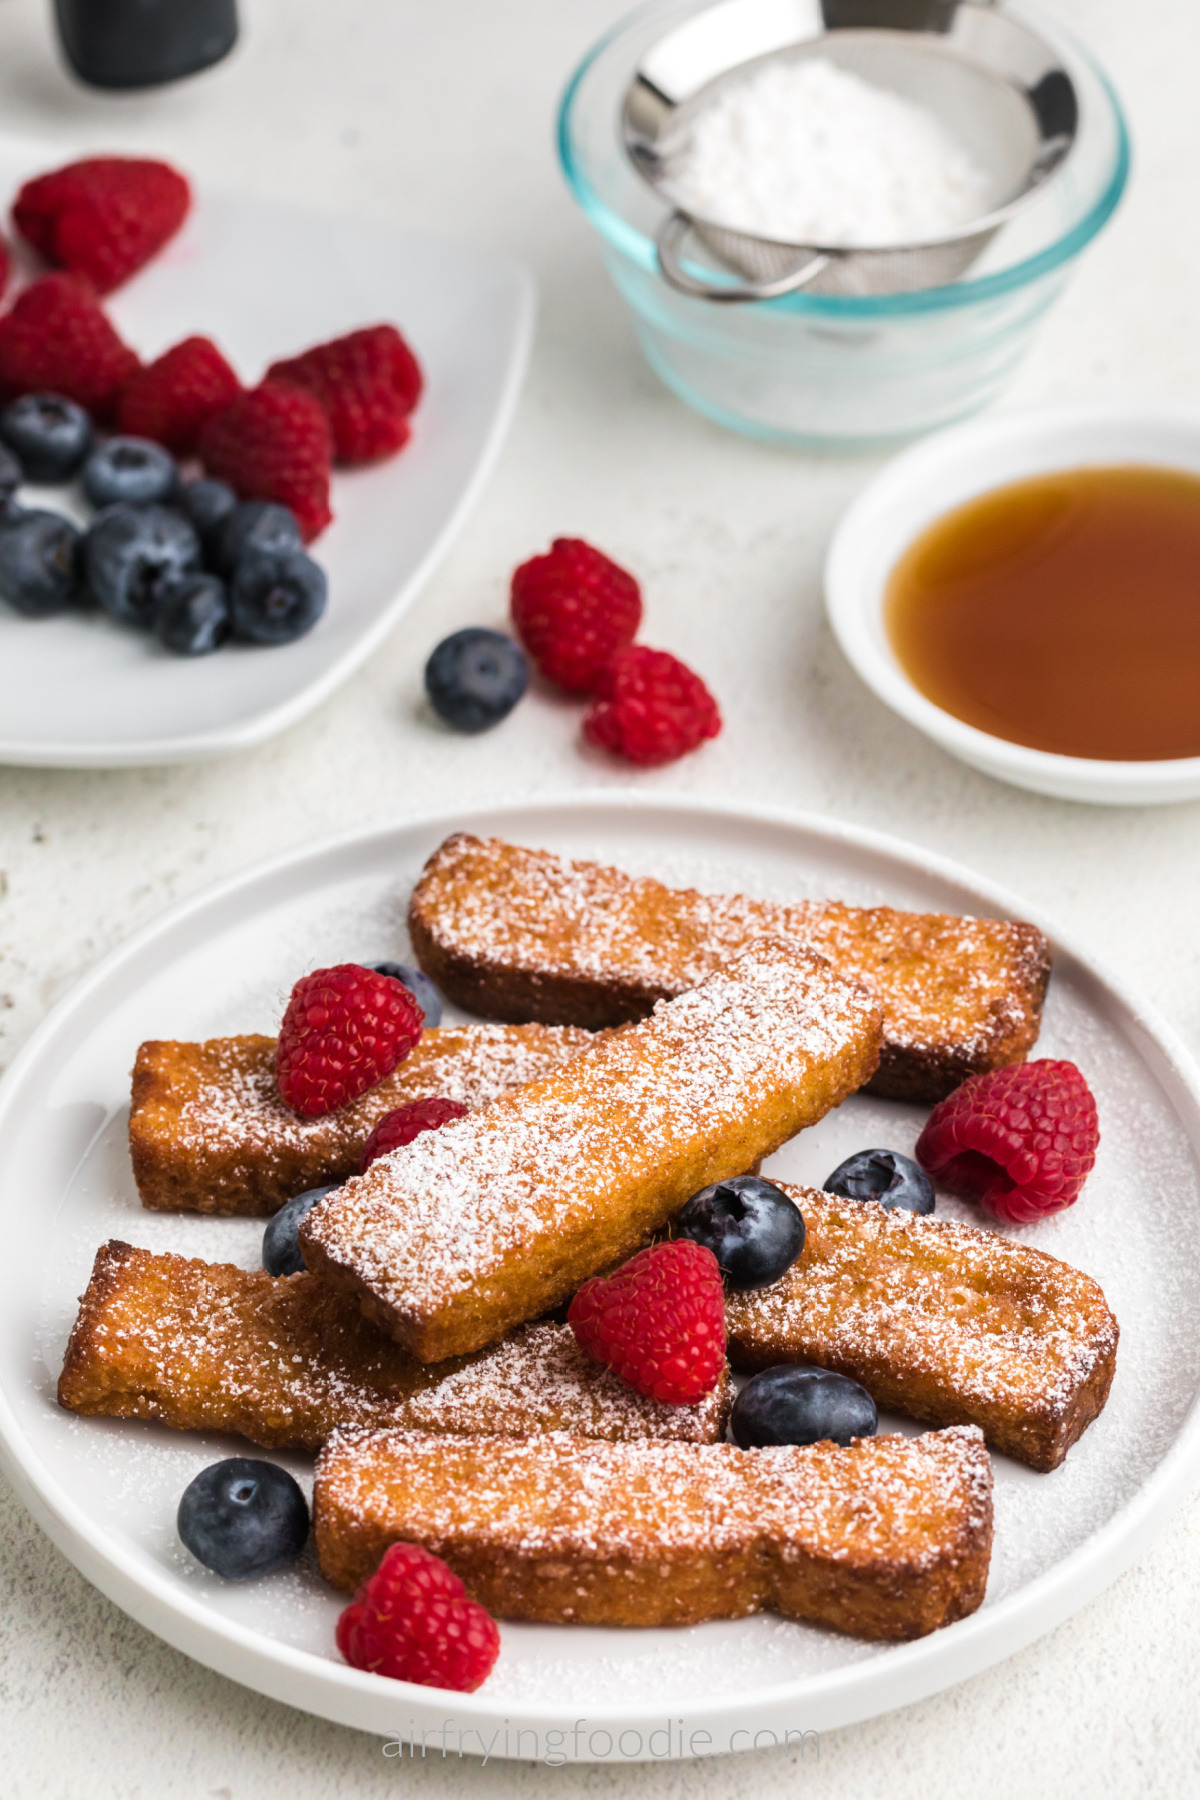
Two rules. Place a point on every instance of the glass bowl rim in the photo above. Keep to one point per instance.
(640, 250)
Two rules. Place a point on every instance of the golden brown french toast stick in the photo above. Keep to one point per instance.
(209, 1133)
(284, 1362)
(494, 1219)
(889, 1538)
(942, 1321)
(512, 933)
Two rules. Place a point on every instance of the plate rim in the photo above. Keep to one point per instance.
(268, 722)
(900, 1674)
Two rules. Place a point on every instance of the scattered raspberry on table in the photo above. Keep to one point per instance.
(104, 217)
(368, 382)
(273, 443)
(658, 1323)
(56, 339)
(574, 610)
(413, 1621)
(1021, 1141)
(401, 1126)
(651, 708)
(173, 398)
(345, 1030)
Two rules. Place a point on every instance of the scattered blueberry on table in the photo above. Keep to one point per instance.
(474, 678)
(796, 1403)
(897, 1182)
(751, 1226)
(281, 1240)
(243, 1517)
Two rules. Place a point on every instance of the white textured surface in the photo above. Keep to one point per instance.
(440, 119)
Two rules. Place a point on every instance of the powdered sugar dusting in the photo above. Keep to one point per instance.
(743, 1060)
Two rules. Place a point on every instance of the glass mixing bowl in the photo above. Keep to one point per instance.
(826, 371)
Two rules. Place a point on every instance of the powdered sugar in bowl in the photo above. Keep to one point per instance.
(998, 194)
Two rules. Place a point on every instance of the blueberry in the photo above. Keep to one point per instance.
(191, 616)
(795, 1403)
(129, 469)
(281, 1245)
(11, 473)
(206, 505)
(884, 1175)
(130, 552)
(474, 678)
(418, 985)
(242, 1517)
(752, 1228)
(39, 563)
(253, 525)
(49, 434)
(276, 595)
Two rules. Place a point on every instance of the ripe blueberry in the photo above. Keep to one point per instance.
(281, 1242)
(253, 525)
(795, 1403)
(192, 615)
(39, 563)
(49, 434)
(900, 1184)
(242, 1517)
(752, 1228)
(276, 596)
(130, 469)
(474, 678)
(131, 552)
(418, 985)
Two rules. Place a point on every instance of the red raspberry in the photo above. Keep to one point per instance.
(400, 1127)
(273, 443)
(1021, 1141)
(574, 610)
(658, 1323)
(104, 217)
(651, 708)
(58, 340)
(345, 1029)
(172, 399)
(413, 1622)
(368, 382)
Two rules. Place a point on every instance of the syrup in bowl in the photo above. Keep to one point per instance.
(1061, 612)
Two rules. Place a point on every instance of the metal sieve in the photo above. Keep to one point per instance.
(994, 84)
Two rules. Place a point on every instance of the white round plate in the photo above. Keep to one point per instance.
(266, 281)
(943, 472)
(106, 1490)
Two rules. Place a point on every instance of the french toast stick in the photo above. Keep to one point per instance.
(467, 1231)
(286, 1361)
(513, 933)
(209, 1133)
(942, 1321)
(887, 1539)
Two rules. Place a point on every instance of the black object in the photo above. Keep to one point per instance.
(39, 563)
(897, 1182)
(796, 1403)
(889, 15)
(130, 469)
(139, 43)
(50, 435)
(130, 552)
(752, 1228)
(475, 677)
(192, 615)
(243, 1517)
(418, 985)
(281, 1242)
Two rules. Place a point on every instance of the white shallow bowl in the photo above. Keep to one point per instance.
(927, 481)
(106, 1490)
(265, 280)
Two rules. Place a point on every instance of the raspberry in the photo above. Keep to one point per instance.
(574, 610)
(345, 1029)
(413, 1622)
(651, 708)
(1021, 1141)
(273, 443)
(368, 382)
(104, 217)
(400, 1127)
(658, 1323)
(172, 399)
(57, 340)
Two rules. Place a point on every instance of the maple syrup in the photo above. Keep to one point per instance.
(1062, 612)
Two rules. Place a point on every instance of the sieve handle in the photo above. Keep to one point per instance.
(669, 245)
